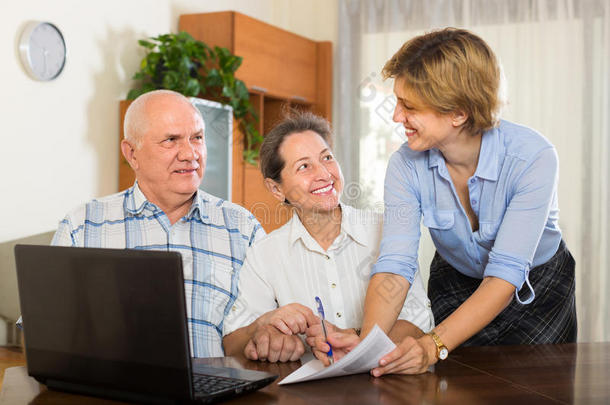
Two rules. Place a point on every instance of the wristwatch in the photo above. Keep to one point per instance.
(441, 350)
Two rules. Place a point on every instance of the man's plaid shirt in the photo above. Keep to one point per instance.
(212, 239)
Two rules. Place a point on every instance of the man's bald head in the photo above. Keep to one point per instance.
(142, 112)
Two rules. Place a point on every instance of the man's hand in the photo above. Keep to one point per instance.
(290, 319)
(269, 344)
(411, 356)
(342, 341)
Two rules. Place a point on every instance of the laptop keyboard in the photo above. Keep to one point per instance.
(210, 384)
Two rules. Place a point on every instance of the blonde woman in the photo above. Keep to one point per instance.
(487, 191)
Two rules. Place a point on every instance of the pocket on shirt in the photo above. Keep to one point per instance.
(439, 219)
(489, 230)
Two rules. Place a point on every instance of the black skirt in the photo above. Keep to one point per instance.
(549, 318)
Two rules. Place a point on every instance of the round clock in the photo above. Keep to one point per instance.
(43, 50)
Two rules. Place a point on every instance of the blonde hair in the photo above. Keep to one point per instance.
(451, 70)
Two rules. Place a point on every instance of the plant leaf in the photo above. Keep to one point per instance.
(146, 44)
(179, 62)
(192, 87)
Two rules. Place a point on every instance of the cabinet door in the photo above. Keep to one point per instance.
(259, 201)
(277, 61)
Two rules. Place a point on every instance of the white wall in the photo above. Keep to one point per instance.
(60, 138)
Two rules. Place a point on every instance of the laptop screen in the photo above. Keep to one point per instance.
(105, 317)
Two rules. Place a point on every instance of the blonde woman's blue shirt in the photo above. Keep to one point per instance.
(513, 193)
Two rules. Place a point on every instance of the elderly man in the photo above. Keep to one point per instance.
(166, 210)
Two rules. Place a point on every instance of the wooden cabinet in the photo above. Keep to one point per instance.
(276, 62)
(280, 69)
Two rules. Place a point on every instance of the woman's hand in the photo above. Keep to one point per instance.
(289, 319)
(342, 341)
(411, 356)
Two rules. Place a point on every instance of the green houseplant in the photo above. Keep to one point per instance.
(179, 62)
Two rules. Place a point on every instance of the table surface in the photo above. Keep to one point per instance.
(544, 374)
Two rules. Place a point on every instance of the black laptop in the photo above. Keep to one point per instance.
(112, 323)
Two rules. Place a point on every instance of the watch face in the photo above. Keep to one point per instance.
(443, 353)
(43, 50)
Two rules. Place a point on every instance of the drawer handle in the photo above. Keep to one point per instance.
(299, 98)
(258, 88)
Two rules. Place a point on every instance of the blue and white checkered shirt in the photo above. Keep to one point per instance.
(212, 238)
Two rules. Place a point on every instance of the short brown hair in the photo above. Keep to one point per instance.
(294, 122)
(451, 70)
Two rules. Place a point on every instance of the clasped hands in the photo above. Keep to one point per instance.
(276, 336)
(276, 339)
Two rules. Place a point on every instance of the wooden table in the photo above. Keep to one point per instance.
(544, 374)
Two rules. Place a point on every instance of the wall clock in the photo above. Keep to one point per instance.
(43, 50)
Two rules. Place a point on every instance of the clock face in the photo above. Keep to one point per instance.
(43, 50)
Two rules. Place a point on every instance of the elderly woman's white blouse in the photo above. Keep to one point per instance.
(289, 266)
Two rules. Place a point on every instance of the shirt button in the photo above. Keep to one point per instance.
(327, 257)
(333, 285)
(473, 180)
(474, 202)
(338, 314)
(234, 308)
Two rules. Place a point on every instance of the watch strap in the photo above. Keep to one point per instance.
(438, 342)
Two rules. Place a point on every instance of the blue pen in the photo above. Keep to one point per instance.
(321, 313)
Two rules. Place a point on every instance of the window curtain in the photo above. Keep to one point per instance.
(555, 57)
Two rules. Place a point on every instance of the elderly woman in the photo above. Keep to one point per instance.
(487, 190)
(326, 250)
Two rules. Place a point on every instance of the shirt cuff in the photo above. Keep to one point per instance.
(401, 268)
(507, 268)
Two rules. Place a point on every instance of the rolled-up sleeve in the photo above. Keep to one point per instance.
(524, 221)
(401, 221)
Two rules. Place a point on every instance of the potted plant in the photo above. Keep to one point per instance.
(179, 62)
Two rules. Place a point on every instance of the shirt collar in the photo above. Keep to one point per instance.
(487, 167)
(199, 209)
(136, 202)
(352, 225)
(435, 157)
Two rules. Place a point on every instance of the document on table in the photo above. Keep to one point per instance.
(361, 359)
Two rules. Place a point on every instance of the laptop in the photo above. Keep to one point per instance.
(112, 323)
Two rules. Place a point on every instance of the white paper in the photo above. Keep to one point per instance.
(361, 359)
(18, 387)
